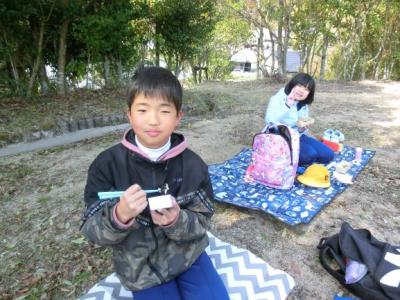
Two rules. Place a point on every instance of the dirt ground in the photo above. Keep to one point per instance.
(43, 256)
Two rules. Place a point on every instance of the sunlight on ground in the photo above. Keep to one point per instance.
(391, 87)
(243, 76)
(387, 124)
(228, 217)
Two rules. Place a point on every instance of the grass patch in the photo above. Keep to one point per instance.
(198, 102)
(81, 277)
(12, 177)
(5, 198)
(43, 200)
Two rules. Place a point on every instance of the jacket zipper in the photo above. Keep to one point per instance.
(152, 267)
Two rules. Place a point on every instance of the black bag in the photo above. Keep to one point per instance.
(382, 260)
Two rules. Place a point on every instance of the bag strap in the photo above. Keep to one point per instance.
(323, 257)
(285, 133)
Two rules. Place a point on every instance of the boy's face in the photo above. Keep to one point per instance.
(153, 120)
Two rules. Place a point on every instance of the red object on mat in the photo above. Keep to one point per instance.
(334, 146)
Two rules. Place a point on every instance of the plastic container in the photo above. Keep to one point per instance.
(355, 271)
(358, 154)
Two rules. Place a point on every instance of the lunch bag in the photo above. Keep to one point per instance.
(382, 260)
(275, 157)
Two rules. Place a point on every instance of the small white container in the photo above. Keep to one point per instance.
(164, 201)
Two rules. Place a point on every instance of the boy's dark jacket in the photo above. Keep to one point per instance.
(145, 254)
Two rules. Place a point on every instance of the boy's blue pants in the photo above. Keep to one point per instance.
(314, 151)
(200, 282)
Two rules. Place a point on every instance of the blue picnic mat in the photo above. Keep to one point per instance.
(294, 206)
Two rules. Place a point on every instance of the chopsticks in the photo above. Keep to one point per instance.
(117, 194)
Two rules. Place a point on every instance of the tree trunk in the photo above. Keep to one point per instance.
(157, 49)
(313, 48)
(120, 73)
(286, 40)
(260, 50)
(377, 70)
(353, 69)
(88, 69)
(323, 56)
(38, 59)
(283, 38)
(44, 80)
(272, 53)
(13, 65)
(62, 53)
(106, 66)
(177, 65)
(194, 73)
(14, 70)
(280, 49)
(157, 46)
(363, 66)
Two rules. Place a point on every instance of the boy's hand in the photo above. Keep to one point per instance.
(133, 201)
(166, 216)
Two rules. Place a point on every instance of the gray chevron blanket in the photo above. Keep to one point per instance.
(245, 276)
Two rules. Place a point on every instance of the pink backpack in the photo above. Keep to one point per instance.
(275, 157)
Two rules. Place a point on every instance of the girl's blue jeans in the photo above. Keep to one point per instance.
(314, 151)
(200, 282)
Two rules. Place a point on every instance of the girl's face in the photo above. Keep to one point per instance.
(153, 120)
(300, 92)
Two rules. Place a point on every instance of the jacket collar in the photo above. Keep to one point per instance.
(178, 145)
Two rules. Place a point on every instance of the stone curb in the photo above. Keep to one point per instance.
(68, 126)
(63, 139)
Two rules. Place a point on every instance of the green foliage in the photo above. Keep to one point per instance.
(112, 29)
(363, 37)
(182, 28)
(229, 35)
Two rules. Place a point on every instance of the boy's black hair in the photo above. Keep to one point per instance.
(304, 80)
(155, 81)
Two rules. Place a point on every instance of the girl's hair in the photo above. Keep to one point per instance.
(304, 80)
(155, 81)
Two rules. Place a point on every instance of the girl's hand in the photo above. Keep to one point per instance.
(133, 201)
(166, 216)
(290, 100)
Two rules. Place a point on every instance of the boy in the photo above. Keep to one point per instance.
(157, 254)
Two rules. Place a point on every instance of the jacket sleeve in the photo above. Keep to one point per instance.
(277, 108)
(196, 212)
(100, 227)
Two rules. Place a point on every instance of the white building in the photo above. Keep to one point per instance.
(245, 60)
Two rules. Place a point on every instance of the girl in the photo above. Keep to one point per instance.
(290, 106)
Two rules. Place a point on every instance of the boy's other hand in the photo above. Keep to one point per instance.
(133, 201)
(166, 216)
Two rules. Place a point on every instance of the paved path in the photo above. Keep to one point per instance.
(60, 140)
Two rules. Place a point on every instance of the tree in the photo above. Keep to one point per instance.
(229, 35)
(181, 29)
(109, 33)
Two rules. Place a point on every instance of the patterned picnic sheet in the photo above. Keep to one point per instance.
(294, 206)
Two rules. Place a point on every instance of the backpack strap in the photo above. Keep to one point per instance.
(285, 133)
